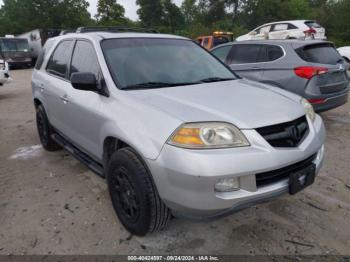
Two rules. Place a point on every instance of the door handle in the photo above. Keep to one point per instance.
(64, 98)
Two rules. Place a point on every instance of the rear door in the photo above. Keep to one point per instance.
(246, 60)
(54, 84)
(279, 31)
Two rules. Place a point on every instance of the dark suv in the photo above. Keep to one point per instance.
(312, 69)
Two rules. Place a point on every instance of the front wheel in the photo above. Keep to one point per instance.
(134, 195)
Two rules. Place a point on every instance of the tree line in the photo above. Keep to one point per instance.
(192, 18)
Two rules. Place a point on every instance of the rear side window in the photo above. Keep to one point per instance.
(244, 54)
(320, 53)
(291, 26)
(222, 52)
(274, 52)
(84, 59)
(59, 60)
(40, 60)
(41, 57)
(312, 24)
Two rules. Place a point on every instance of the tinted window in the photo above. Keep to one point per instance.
(218, 40)
(222, 52)
(140, 61)
(41, 57)
(320, 53)
(243, 54)
(60, 58)
(274, 52)
(84, 59)
(312, 24)
(290, 26)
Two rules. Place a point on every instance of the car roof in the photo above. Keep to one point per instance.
(294, 42)
(98, 36)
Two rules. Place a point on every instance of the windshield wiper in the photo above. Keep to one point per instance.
(158, 85)
(216, 79)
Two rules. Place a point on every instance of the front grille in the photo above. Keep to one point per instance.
(274, 176)
(289, 134)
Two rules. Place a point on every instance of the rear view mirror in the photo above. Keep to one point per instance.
(84, 81)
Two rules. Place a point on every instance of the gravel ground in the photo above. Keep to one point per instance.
(51, 204)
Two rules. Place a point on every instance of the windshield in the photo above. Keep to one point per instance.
(153, 62)
(14, 45)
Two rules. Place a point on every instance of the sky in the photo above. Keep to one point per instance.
(129, 5)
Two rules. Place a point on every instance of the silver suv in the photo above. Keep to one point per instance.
(173, 130)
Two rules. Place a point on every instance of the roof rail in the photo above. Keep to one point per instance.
(115, 29)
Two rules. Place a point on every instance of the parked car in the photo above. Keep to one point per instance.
(4, 72)
(172, 129)
(37, 39)
(312, 69)
(15, 51)
(345, 53)
(294, 29)
(218, 38)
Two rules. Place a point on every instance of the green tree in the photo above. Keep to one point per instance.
(109, 12)
(18, 16)
(150, 12)
(189, 10)
(173, 18)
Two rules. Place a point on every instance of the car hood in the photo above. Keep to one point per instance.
(244, 103)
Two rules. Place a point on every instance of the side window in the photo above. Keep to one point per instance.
(222, 52)
(274, 52)
(59, 60)
(84, 59)
(41, 57)
(244, 54)
(264, 29)
(291, 26)
(205, 42)
(219, 40)
(280, 27)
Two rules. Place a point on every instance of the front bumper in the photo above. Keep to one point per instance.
(185, 178)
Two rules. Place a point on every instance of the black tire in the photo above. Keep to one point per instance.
(134, 195)
(45, 130)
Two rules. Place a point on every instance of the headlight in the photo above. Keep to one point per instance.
(310, 112)
(208, 135)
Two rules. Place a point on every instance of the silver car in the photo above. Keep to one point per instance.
(171, 128)
(312, 69)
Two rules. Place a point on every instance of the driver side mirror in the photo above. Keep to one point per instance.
(253, 33)
(84, 81)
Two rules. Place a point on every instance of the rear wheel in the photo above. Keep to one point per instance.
(45, 130)
(134, 195)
